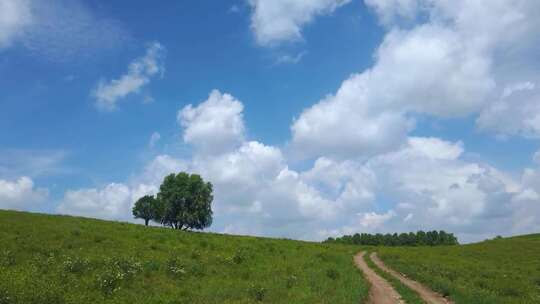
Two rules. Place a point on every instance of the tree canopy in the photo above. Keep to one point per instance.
(145, 208)
(420, 238)
(184, 201)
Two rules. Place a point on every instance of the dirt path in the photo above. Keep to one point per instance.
(380, 292)
(425, 293)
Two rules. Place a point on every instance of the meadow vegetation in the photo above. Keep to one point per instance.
(60, 259)
(504, 270)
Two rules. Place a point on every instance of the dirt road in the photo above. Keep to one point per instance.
(381, 292)
(425, 293)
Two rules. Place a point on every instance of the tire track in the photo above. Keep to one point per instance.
(425, 293)
(381, 292)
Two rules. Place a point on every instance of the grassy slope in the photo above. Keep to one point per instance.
(56, 259)
(498, 271)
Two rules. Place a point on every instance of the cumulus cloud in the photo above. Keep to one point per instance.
(372, 220)
(423, 183)
(111, 202)
(275, 21)
(115, 200)
(443, 59)
(215, 125)
(255, 190)
(139, 74)
(21, 194)
(454, 62)
(348, 124)
(391, 10)
(516, 112)
(495, 40)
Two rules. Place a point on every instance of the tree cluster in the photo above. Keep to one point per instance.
(184, 201)
(420, 238)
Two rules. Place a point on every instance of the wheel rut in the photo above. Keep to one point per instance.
(425, 293)
(381, 292)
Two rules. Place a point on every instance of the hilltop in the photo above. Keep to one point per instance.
(61, 259)
(503, 270)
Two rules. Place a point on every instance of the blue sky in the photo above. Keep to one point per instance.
(312, 118)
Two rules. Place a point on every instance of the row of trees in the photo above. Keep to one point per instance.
(184, 201)
(420, 238)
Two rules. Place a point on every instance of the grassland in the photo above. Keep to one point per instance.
(497, 271)
(59, 259)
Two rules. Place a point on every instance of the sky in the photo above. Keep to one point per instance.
(311, 118)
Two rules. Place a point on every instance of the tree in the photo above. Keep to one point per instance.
(145, 208)
(184, 202)
(421, 238)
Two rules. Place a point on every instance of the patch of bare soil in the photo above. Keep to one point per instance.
(425, 293)
(381, 292)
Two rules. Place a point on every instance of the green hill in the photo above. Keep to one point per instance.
(497, 271)
(59, 259)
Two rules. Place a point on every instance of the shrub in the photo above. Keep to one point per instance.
(5, 298)
(332, 274)
(128, 267)
(76, 233)
(151, 266)
(118, 270)
(175, 267)
(257, 292)
(195, 254)
(75, 264)
(7, 258)
(239, 256)
(291, 281)
(110, 281)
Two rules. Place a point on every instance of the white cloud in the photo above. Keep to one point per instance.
(15, 17)
(162, 165)
(430, 69)
(154, 138)
(290, 59)
(348, 124)
(111, 202)
(32, 163)
(432, 148)
(517, 112)
(58, 30)
(21, 194)
(216, 125)
(424, 183)
(234, 9)
(495, 40)
(372, 220)
(461, 58)
(275, 21)
(255, 190)
(536, 157)
(522, 86)
(391, 10)
(139, 74)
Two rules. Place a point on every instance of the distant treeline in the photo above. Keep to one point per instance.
(420, 238)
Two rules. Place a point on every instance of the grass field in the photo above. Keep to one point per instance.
(58, 259)
(497, 271)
